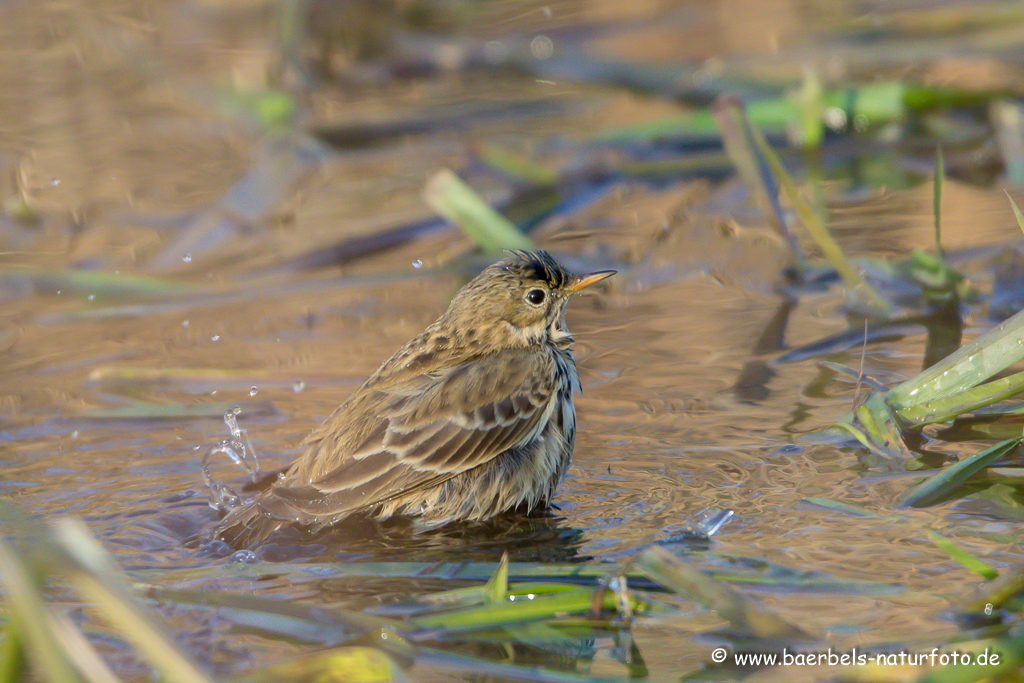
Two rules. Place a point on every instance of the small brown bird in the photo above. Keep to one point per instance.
(470, 419)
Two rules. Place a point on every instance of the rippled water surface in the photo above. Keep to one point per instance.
(112, 125)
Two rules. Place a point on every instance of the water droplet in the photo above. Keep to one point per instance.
(542, 48)
(215, 337)
(58, 291)
(74, 434)
(91, 297)
(54, 182)
(184, 323)
(417, 264)
(237, 410)
(244, 557)
(197, 447)
(187, 258)
(253, 391)
(213, 393)
(298, 385)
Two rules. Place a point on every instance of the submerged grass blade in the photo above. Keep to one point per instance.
(527, 577)
(744, 613)
(92, 283)
(963, 557)
(480, 669)
(449, 196)
(837, 506)
(942, 486)
(333, 619)
(191, 411)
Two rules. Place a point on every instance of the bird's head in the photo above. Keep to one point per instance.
(521, 299)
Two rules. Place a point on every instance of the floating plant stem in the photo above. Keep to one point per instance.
(456, 201)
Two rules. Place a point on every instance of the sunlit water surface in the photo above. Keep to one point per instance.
(663, 434)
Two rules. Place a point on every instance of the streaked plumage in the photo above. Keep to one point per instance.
(470, 419)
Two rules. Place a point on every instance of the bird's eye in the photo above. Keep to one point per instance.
(535, 296)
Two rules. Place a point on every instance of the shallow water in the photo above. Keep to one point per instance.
(662, 434)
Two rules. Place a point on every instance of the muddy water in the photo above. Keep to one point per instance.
(110, 128)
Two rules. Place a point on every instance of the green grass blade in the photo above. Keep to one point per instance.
(27, 611)
(177, 411)
(972, 364)
(92, 283)
(744, 613)
(944, 409)
(962, 557)
(449, 196)
(578, 601)
(940, 174)
(96, 576)
(516, 166)
(354, 664)
(12, 654)
(837, 506)
(737, 136)
(996, 592)
(1016, 211)
(496, 588)
(833, 254)
(810, 101)
(942, 485)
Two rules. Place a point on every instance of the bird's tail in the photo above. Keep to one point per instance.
(246, 526)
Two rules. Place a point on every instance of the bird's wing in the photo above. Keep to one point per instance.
(424, 431)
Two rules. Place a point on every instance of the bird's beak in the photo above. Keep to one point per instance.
(584, 281)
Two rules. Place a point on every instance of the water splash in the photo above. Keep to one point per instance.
(239, 449)
(244, 557)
